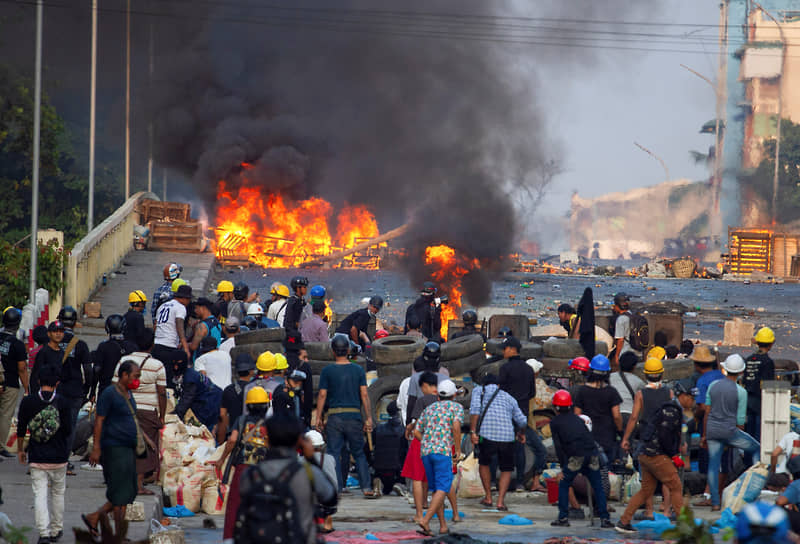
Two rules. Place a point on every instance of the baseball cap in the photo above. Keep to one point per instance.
(232, 323)
(244, 362)
(511, 342)
(447, 388)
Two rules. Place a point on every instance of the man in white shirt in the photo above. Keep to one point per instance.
(788, 447)
(214, 363)
(231, 329)
(170, 332)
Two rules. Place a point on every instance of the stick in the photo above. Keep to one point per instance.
(591, 507)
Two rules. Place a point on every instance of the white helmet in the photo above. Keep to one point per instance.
(315, 438)
(587, 421)
(255, 309)
(734, 364)
(535, 365)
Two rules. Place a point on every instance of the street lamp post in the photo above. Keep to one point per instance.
(37, 122)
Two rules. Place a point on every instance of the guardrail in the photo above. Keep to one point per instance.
(101, 251)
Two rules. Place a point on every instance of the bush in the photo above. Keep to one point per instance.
(15, 269)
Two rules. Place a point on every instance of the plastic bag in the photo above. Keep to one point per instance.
(632, 487)
(471, 486)
(746, 488)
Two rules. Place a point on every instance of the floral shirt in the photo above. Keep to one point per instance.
(436, 426)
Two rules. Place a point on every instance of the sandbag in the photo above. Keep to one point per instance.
(615, 483)
(746, 488)
(470, 484)
(184, 485)
(215, 497)
(544, 396)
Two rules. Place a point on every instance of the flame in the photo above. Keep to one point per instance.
(447, 271)
(274, 231)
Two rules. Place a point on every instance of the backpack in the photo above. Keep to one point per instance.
(661, 434)
(268, 507)
(639, 338)
(45, 424)
(214, 328)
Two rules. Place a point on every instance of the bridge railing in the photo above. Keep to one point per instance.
(101, 250)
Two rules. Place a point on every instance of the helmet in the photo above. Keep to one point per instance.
(114, 324)
(428, 289)
(266, 362)
(299, 281)
(600, 363)
(315, 438)
(255, 309)
(280, 362)
(318, 291)
(282, 291)
(376, 301)
(177, 283)
(762, 522)
(622, 301)
(765, 336)
(381, 333)
(580, 363)
(240, 290)
(137, 296)
(734, 364)
(504, 332)
(11, 317)
(656, 352)
(562, 398)
(469, 317)
(250, 322)
(273, 287)
(172, 271)
(257, 395)
(68, 316)
(340, 345)
(224, 287)
(432, 352)
(653, 366)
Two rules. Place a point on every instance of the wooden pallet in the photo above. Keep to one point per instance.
(156, 210)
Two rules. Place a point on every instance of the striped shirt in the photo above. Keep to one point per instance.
(153, 374)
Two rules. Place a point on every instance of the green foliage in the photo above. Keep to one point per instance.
(760, 180)
(15, 269)
(686, 531)
(16, 535)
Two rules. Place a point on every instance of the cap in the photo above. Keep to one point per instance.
(232, 323)
(298, 375)
(184, 291)
(55, 326)
(244, 363)
(512, 342)
(315, 437)
(447, 388)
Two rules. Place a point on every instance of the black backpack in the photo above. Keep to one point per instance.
(661, 434)
(639, 338)
(268, 508)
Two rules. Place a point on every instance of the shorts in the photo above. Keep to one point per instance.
(504, 451)
(413, 467)
(439, 469)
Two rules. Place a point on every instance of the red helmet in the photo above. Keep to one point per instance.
(580, 363)
(381, 333)
(562, 398)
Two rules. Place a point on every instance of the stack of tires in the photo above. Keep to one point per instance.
(258, 341)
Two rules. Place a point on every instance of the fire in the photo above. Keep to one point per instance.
(447, 271)
(277, 232)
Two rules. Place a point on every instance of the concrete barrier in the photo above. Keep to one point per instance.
(101, 251)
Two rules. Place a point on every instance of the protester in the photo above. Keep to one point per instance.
(232, 404)
(627, 384)
(788, 448)
(116, 435)
(278, 375)
(621, 327)
(288, 398)
(109, 352)
(297, 359)
(133, 330)
(439, 432)
(759, 368)
(577, 453)
(343, 386)
(51, 354)
(14, 358)
(579, 367)
(265, 367)
(47, 415)
(326, 462)
(470, 320)
(427, 310)
(388, 438)
(431, 361)
(230, 330)
(170, 331)
(151, 406)
(172, 272)
(196, 392)
(314, 328)
(789, 498)
(417, 367)
(207, 327)
(496, 421)
(277, 308)
(355, 325)
(224, 298)
(567, 316)
(413, 326)
(598, 400)
(727, 408)
(213, 362)
(295, 303)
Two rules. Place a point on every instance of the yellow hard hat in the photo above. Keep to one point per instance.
(224, 287)
(657, 352)
(280, 362)
(266, 362)
(137, 296)
(653, 366)
(257, 395)
(282, 291)
(765, 336)
(177, 283)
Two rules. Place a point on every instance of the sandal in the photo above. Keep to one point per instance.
(370, 495)
(92, 529)
(503, 508)
(486, 503)
(423, 531)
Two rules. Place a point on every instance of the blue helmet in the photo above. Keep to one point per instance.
(762, 522)
(600, 363)
(318, 291)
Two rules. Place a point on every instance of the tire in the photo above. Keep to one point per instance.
(402, 369)
(461, 347)
(562, 348)
(465, 400)
(255, 349)
(393, 350)
(387, 386)
(465, 365)
(484, 370)
(319, 351)
(260, 336)
(530, 350)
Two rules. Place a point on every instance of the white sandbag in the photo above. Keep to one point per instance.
(470, 485)
(215, 497)
(615, 482)
(135, 512)
(746, 488)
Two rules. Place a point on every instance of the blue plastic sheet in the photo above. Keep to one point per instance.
(448, 515)
(659, 524)
(179, 511)
(514, 519)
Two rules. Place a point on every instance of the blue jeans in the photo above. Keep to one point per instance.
(739, 439)
(533, 442)
(340, 430)
(74, 408)
(595, 479)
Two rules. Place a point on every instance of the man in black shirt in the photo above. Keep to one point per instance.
(51, 355)
(14, 358)
(297, 359)
(428, 311)
(355, 325)
(108, 354)
(233, 395)
(288, 398)
(295, 304)
(134, 319)
(758, 368)
(470, 319)
(77, 364)
(518, 380)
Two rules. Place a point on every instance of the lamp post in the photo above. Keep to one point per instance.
(92, 115)
(37, 122)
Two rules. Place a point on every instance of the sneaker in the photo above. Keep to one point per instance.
(560, 523)
(400, 489)
(624, 528)
(43, 540)
(57, 536)
(606, 524)
(7, 454)
(576, 513)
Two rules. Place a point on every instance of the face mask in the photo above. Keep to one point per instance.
(297, 389)
(133, 384)
(259, 411)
